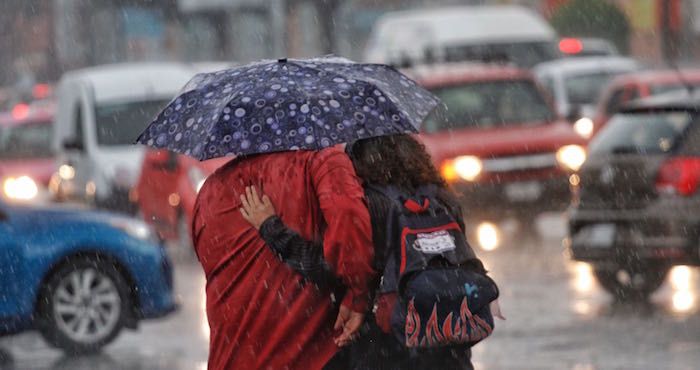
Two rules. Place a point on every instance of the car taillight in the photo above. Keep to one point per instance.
(679, 175)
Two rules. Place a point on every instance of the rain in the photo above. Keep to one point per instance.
(360, 184)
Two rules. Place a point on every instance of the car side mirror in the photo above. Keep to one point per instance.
(3, 216)
(573, 114)
(73, 144)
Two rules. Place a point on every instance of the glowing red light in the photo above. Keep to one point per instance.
(20, 111)
(570, 46)
(41, 91)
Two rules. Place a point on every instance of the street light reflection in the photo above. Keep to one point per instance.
(583, 277)
(683, 296)
(583, 308)
(683, 301)
(680, 277)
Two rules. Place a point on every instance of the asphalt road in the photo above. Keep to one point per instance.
(557, 318)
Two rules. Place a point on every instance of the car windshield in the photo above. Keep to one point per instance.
(524, 54)
(488, 104)
(648, 133)
(120, 124)
(584, 89)
(26, 141)
(661, 89)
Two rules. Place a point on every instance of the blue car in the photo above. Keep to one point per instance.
(79, 277)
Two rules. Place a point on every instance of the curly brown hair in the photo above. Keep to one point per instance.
(398, 160)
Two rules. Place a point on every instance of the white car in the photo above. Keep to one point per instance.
(576, 84)
(462, 33)
(100, 112)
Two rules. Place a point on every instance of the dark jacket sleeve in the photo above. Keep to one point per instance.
(303, 256)
(306, 257)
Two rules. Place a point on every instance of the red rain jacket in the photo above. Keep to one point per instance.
(260, 313)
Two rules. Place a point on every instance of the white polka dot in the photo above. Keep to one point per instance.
(240, 112)
(334, 103)
(304, 108)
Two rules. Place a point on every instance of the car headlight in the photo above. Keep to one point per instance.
(196, 177)
(66, 172)
(584, 127)
(488, 236)
(20, 188)
(467, 167)
(571, 157)
(135, 228)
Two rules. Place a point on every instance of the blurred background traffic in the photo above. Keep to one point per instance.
(570, 129)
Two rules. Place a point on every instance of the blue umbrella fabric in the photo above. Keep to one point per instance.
(281, 105)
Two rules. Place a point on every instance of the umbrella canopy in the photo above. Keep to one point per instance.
(282, 105)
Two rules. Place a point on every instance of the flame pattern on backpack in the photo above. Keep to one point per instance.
(467, 328)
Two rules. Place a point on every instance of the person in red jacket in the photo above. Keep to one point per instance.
(262, 314)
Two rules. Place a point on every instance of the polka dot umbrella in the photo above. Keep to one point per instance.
(281, 105)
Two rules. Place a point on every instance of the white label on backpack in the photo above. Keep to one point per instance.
(435, 242)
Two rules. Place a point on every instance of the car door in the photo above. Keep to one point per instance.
(10, 265)
(157, 189)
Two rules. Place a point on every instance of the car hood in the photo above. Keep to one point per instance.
(39, 169)
(56, 216)
(501, 141)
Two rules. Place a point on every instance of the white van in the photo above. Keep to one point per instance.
(101, 110)
(486, 33)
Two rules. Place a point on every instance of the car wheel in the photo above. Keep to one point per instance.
(83, 306)
(630, 284)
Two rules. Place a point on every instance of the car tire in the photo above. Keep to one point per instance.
(631, 284)
(83, 305)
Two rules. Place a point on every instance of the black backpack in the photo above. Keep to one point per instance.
(440, 301)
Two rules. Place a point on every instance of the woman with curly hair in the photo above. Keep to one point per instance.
(399, 161)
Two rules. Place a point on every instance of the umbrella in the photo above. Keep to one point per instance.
(287, 104)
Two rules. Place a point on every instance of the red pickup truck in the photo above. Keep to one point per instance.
(499, 142)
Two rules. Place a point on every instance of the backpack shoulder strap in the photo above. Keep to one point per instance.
(389, 191)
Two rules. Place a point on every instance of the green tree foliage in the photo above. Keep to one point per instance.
(592, 18)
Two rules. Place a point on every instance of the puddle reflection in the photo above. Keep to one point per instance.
(679, 296)
(583, 277)
(683, 298)
(583, 284)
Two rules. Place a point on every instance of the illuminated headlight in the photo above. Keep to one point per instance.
(66, 172)
(21, 188)
(488, 236)
(197, 178)
(135, 228)
(571, 157)
(467, 167)
(584, 127)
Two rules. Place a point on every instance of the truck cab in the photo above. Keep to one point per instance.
(100, 112)
(499, 142)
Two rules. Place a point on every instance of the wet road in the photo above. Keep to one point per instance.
(557, 318)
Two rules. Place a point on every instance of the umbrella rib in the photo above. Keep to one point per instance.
(299, 88)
